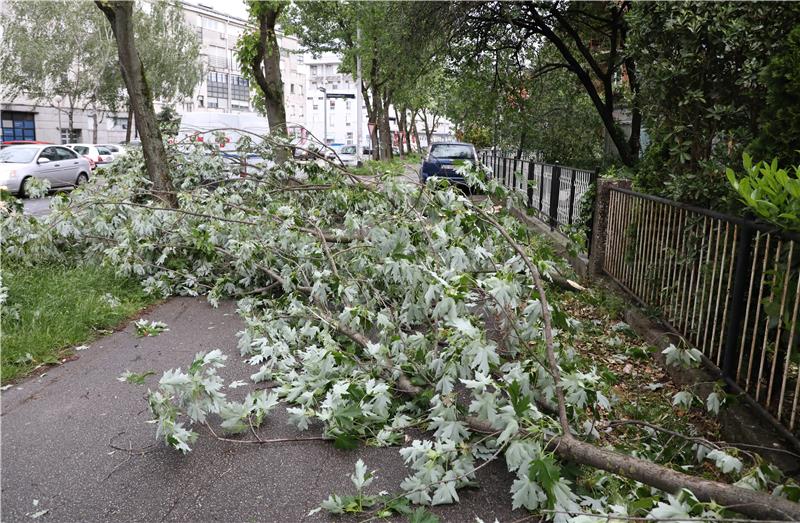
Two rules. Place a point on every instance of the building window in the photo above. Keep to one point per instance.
(18, 126)
(119, 122)
(291, 88)
(332, 104)
(214, 25)
(71, 135)
(335, 86)
(240, 88)
(315, 107)
(213, 104)
(349, 138)
(217, 85)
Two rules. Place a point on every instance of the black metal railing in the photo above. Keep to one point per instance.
(727, 285)
(552, 192)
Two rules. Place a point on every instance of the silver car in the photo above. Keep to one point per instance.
(21, 163)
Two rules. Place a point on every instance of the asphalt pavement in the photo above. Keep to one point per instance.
(60, 427)
(36, 206)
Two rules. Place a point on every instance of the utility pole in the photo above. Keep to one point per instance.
(324, 115)
(359, 97)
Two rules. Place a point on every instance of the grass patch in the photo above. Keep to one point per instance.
(52, 308)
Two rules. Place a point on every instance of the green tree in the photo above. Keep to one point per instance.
(779, 126)
(66, 48)
(703, 66)
(393, 54)
(590, 40)
(259, 54)
(57, 48)
(120, 16)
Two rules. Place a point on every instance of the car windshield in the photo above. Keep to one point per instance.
(350, 149)
(452, 152)
(18, 154)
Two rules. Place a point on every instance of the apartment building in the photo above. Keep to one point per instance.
(331, 106)
(222, 88)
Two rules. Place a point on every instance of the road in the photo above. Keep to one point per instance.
(76, 443)
(37, 206)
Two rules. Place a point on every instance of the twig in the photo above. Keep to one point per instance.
(546, 319)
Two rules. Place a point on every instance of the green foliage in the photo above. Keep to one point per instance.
(169, 121)
(770, 192)
(51, 307)
(702, 88)
(149, 328)
(365, 304)
(66, 48)
(779, 126)
(135, 378)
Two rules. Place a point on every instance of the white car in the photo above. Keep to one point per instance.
(97, 153)
(20, 164)
(115, 150)
(348, 155)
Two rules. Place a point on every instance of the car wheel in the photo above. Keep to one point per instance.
(82, 178)
(23, 188)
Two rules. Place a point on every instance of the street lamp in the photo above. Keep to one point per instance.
(325, 114)
(58, 100)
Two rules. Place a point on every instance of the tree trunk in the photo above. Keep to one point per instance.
(94, 126)
(265, 68)
(521, 144)
(366, 94)
(130, 123)
(377, 114)
(386, 130)
(749, 502)
(120, 15)
(70, 125)
(634, 142)
(400, 117)
(409, 127)
(416, 132)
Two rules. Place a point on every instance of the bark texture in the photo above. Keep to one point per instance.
(267, 73)
(120, 15)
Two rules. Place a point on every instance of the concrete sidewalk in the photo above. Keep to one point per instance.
(57, 427)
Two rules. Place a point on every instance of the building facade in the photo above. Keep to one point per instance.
(331, 112)
(222, 89)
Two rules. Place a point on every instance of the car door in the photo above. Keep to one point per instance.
(70, 166)
(48, 170)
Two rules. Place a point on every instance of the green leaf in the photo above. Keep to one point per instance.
(345, 442)
(545, 471)
(423, 516)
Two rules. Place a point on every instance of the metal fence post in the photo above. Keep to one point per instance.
(530, 183)
(571, 195)
(737, 304)
(514, 175)
(590, 219)
(505, 173)
(555, 187)
(541, 187)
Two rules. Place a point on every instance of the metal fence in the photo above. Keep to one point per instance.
(552, 192)
(729, 286)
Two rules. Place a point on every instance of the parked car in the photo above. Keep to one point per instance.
(443, 159)
(9, 143)
(97, 153)
(348, 155)
(22, 163)
(115, 150)
(332, 151)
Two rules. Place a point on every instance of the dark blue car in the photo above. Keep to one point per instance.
(444, 158)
